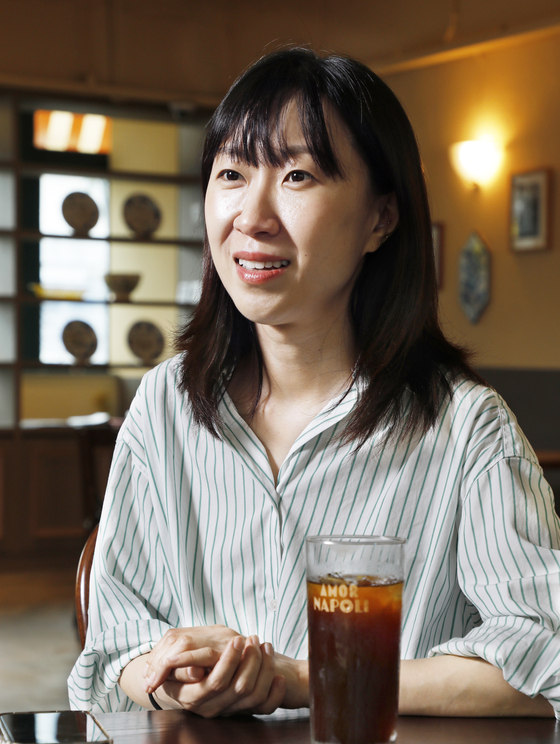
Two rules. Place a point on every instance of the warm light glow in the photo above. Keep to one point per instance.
(65, 131)
(477, 161)
(91, 133)
(59, 129)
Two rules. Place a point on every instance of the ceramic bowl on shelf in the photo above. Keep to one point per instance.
(122, 285)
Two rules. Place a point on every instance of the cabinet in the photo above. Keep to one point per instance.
(49, 276)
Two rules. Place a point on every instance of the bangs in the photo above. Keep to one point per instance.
(250, 122)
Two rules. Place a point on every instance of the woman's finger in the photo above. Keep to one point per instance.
(244, 680)
(249, 688)
(188, 674)
(178, 640)
(193, 666)
(200, 659)
(275, 697)
(172, 643)
(249, 668)
(249, 698)
(204, 697)
(193, 673)
(221, 675)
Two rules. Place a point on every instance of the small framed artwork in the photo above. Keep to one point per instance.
(437, 240)
(530, 210)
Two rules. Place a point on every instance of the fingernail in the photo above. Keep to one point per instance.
(239, 643)
(269, 651)
(255, 640)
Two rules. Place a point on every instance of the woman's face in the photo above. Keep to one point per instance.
(288, 242)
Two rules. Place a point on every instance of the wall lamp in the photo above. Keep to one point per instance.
(476, 161)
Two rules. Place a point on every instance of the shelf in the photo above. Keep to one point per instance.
(40, 168)
(31, 300)
(31, 327)
(31, 365)
(36, 235)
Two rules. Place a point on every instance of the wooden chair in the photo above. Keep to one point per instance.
(82, 585)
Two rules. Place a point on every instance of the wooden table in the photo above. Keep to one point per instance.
(175, 727)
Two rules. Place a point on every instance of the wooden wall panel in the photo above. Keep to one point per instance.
(175, 50)
(3, 451)
(52, 483)
(55, 489)
(8, 473)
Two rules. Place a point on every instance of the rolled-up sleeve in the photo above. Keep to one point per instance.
(130, 603)
(508, 559)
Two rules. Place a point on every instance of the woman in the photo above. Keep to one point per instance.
(315, 393)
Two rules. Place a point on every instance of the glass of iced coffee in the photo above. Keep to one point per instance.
(354, 592)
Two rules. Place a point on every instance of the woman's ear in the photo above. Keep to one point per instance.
(387, 219)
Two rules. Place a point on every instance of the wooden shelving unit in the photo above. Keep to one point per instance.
(45, 504)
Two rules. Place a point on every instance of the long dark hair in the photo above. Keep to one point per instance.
(394, 301)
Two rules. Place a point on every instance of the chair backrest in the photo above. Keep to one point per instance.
(82, 585)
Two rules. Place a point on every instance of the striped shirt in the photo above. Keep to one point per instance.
(195, 531)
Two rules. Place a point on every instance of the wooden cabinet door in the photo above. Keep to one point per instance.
(54, 487)
(5, 447)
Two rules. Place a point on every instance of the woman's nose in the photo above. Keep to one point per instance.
(257, 213)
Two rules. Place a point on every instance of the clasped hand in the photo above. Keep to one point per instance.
(215, 671)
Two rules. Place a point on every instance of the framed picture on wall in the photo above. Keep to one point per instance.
(530, 210)
(437, 240)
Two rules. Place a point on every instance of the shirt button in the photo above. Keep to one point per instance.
(273, 604)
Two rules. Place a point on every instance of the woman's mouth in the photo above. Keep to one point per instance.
(261, 265)
(252, 271)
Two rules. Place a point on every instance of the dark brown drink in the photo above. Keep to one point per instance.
(354, 645)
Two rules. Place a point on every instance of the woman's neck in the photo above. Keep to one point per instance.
(299, 366)
(302, 373)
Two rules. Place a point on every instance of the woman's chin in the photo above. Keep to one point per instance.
(263, 313)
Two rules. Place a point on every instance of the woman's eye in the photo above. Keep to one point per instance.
(298, 175)
(229, 175)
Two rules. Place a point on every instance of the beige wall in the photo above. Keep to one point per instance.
(144, 146)
(514, 94)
